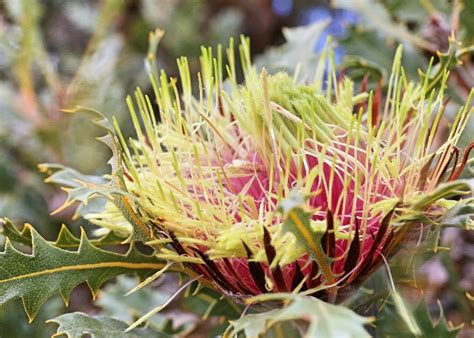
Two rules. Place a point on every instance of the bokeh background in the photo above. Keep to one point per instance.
(56, 55)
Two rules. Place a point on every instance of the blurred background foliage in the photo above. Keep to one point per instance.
(56, 55)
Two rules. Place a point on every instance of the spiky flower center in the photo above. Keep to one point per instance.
(210, 176)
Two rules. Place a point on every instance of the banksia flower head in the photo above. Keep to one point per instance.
(277, 185)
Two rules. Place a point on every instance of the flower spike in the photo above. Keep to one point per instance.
(274, 185)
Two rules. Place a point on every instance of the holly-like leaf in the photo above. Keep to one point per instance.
(439, 329)
(80, 188)
(48, 269)
(78, 324)
(324, 319)
(391, 324)
(68, 177)
(114, 190)
(396, 317)
(253, 325)
(11, 231)
(65, 239)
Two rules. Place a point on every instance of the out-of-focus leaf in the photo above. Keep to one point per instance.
(324, 319)
(181, 27)
(207, 302)
(78, 324)
(357, 68)
(459, 216)
(439, 329)
(298, 49)
(394, 318)
(82, 14)
(361, 44)
(225, 24)
(13, 320)
(94, 75)
(416, 11)
(467, 20)
(367, 45)
(390, 323)
(24, 205)
(20, 189)
(114, 303)
(47, 270)
(376, 16)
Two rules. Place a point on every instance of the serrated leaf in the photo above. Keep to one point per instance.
(376, 296)
(65, 239)
(115, 189)
(10, 231)
(78, 324)
(79, 187)
(48, 270)
(253, 325)
(324, 319)
(430, 329)
(68, 177)
(391, 324)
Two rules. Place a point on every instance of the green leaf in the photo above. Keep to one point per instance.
(376, 17)
(467, 20)
(207, 302)
(11, 231)
(297, 222)
(324, 319)
(68, 177)
(459, 216)
(390, 323)
(430, 329)
(253, 325)
(47, 270)
(65, 239)
(78, 324)
(298, 49)
(369, 51)
(414, 11)
(13, 321)
(115, 190)
(80, 188)
(115, 304)
(394, 317)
